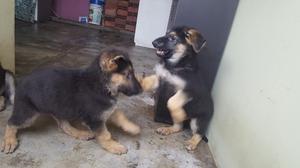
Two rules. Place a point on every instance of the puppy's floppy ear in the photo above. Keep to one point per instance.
(194, 38)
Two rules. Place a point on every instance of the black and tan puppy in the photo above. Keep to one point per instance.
(7, 88)
(178, 80)
(87, 94)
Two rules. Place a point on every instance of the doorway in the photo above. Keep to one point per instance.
(7, 35)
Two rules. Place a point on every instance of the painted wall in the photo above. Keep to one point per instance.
(7, 34)
(257, 89)
(213, 18)
(152, 21)
(71, 9)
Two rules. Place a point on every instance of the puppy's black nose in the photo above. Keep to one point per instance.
(157, 43)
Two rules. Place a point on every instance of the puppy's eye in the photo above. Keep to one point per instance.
(172, 38)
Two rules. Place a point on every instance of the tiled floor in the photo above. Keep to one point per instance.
(43, 145)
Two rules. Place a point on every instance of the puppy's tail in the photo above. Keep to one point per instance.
(204, 138)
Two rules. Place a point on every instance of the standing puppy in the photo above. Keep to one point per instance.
(7, 88)
(87, 94)
(178, 80)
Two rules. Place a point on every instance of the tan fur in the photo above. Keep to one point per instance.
(179, 53)
(111, 66)
(10, 141)
(193, 38)
(176, 127)
(118, 79)
(175, 105)
(115, 81)
(2, 103)
(120, 120)
(180, 48)
(173, 33)
(149, 83)
(70, 130)
(105, 140)
(192, 143)
(107, 61)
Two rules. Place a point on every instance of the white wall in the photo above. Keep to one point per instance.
(152, 21)
(257, 90)
(7, 34)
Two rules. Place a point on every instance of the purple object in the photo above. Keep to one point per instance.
(71, 9)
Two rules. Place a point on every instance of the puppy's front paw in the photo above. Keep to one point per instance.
(115, 148)
(9, 145)
(85, 135)
(165, 130)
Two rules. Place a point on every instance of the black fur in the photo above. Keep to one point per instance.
(67, 94)
(2, 78)
(187, 68)
(7, 87)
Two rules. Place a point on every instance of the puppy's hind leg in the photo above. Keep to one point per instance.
(74, 132)
(192, 143)
(120, 120)
(175, 105)
(198, 127)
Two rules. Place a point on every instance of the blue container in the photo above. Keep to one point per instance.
(95, 12)
(97, 2)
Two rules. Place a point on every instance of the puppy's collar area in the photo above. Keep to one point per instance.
(175, 58)
(161, 68)
(187, 68)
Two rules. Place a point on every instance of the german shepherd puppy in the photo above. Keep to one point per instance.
(7, 87)
(89, 95)
(179, 72)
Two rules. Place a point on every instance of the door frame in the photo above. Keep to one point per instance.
(7, 34)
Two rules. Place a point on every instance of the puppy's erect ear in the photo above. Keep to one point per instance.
(121, 62)
(111, 64)
(194, 38)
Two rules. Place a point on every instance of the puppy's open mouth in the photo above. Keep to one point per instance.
(162, 52)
